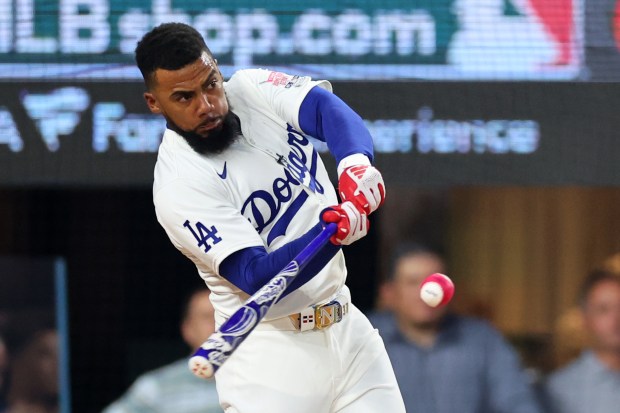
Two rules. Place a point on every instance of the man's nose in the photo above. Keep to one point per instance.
(205, 105)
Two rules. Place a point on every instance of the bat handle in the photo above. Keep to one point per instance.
(315, 245)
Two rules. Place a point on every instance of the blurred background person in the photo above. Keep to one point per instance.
(446, 363)
(33, 373)
(591, 383)
(569, 337)
(174, 388)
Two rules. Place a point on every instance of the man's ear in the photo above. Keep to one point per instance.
(151, 102)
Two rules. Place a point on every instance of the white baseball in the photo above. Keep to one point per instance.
(431, 293)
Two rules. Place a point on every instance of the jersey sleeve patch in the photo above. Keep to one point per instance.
(288, 81)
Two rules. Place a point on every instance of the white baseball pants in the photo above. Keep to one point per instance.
(341, 369)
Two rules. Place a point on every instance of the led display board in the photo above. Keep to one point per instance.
(426, 133)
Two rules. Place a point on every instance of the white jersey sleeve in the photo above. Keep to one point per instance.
(184, 213)
(279, 92)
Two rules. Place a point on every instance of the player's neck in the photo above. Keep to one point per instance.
(609, 358)
(423, 335)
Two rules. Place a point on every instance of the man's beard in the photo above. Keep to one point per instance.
(217, 141)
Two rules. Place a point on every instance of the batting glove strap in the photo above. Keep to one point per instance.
(352, 160)
(352, 222)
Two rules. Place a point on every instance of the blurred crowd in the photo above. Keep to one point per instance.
(445, 362)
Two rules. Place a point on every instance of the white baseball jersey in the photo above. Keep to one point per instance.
(267, 189)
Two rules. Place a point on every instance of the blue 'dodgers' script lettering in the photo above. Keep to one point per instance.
(264, 206)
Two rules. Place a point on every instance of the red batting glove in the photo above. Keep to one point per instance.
(362, 184)
(352, 222)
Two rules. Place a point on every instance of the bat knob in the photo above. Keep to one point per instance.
(201, 367)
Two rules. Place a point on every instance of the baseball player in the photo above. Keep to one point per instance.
(240, 190)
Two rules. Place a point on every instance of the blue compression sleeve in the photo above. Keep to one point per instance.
(326, 117)
(251, 268)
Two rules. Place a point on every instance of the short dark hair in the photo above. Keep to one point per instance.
(407, 249)
(594, 278)
(169, 46)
